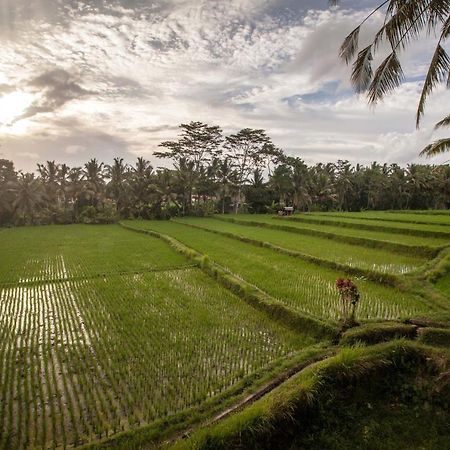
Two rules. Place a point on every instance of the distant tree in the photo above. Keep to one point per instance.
(197, 145)
(29, 197)
(8, 178)
(94, 182)
(117, 187)
(248, 150)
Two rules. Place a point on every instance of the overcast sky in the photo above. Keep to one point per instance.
(106, 78)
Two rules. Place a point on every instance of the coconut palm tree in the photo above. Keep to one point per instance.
(117, 186)
(29, 196)
(94, 186)
(404, 21)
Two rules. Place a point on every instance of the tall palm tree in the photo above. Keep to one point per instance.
(29, 195)
(94, 176)
(117, 187)
(49, 175)
(404, 21)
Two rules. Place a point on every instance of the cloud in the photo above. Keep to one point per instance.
(117, 77)
(56, 88)
(75, 149)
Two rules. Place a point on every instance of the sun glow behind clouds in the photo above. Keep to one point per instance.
(12, 105)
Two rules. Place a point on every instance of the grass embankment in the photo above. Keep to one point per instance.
(399, 243)
(406, 217)
(387, 396)
(420, 230)
(298, 284)
(316, 249)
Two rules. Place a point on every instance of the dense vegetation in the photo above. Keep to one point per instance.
(243, 172)
(109, 334)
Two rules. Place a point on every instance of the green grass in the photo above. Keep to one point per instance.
(403, 216)
(384, 397)
(341, 231)
(376, 225)
(443, 284)
(300, 285)
(83, 359)
(32, 254)
(351, 255)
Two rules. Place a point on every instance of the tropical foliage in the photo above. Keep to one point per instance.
(243, 172)
(404, 21)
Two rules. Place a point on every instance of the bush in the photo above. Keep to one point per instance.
(439, 337)
(376, 333)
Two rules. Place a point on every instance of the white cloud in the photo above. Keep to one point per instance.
(144, 69)
(75, 149)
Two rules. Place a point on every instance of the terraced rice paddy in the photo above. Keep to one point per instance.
(394, 226)
(104, 330)
(301, 285)
(419, 217)
(381, 235)
(378, 260)
(81, 359)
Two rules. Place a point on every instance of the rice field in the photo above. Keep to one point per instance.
(33, 254)
(378, 260)
(303, 286)
(104, 330)
(381, 235)
(82, 359)
(418, 217)
(408, 227)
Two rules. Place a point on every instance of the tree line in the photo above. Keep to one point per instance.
(210, 173)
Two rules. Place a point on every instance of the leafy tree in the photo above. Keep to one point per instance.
(248, 150)
(197, 145)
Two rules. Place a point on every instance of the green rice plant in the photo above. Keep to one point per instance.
(408, 217)
(300, 285)
(424, 230)
(374, 333)
(320, 249)
(35, 254)
(403, 244)
(86, 358)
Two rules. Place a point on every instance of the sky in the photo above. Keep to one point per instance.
(114, 78)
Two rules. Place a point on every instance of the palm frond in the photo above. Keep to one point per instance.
(436, 148)
(445, 122)
(350, 45)
(438, 71)
(408, 18)
(388, 76)
(439, 13)
(362, 70)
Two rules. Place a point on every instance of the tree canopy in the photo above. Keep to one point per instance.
(211, 173)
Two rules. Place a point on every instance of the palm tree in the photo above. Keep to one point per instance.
(29, 195)
(117, 186)
(225, 180)
(74, 189)
(140, 181)
(94, 176)
(404, 21)
(49, 175)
